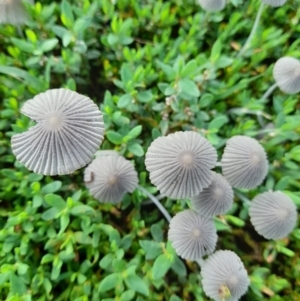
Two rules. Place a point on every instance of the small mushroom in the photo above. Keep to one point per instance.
(224, 276)
(12, 12)
(273, 214)
(192, 235)
(274, 3)
(109, 177)
(286, 73)
(244, 162)
(216, 199)
(68, 132)
(212, 5)
(180, 164)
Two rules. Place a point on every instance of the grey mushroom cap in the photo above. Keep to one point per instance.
(216, 199)
(180, 164)
(273, 214)
(68, 132)
(224, 276)
(12, 12)
(286, 73)
(244, 162)
(212, 5)
(109, 177)
(192, 235)
(274, 3)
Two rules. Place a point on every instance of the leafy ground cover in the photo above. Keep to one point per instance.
(153, 67)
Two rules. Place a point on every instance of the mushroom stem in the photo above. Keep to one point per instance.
(242, 197)
(253, 30)
(147, 202)
(269, 91)
(161, 208)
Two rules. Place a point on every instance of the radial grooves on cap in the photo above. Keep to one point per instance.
(274, 3)
(273, 214)
(286, 73)
(100, 171)
(180, 163)
(244, 162)
(216, 199)
(224, 268)
(212, 5)
(183, 230)
(63, 148)
(12, 12)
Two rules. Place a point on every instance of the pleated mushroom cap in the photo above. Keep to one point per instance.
(224, 276)
(180, 164)
(12, 12)
(109, 177)
(216, 199)
(192, 235)
(273, 214)
(68, 132)
(286, 73)
(212, 5)
(244, 162)
(274, 3)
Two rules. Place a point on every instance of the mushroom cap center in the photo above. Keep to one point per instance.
(233, 280)
(255, 159)
(196, 233)
(282, 214)
(112, 179)
(218, 192)
(187, 159)
(54, 122)
(297, 71)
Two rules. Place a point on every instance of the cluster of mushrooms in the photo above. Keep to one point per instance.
(69, 130)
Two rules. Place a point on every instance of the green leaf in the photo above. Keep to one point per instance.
(82, 210)
(161, 266)
(217, 122)
(67, 17)
(126, 73)
(64, 222)
(157, 233)
(83, 238)
(51, 187)
(106, 261)
(49, 44)
(19, 73)
(55, 201)
(189, 69)
(109, 282)
(135, 132)
(188, 87)
(127, 295)
(152, 248)
(136, 149)
(18, 286)
(124, 101)
(178, 267)
(114, 137)
(235, 220)
(50, 214)
(23, 45)
(145, 96)
(216, 51)
(82, 24)
(137, 284)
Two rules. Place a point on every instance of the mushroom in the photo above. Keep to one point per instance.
(273, 214)
(212, 5)
(216, 199)
(109, 177)
(192, 235)
(224, 276)
(180, 164)
(274, 3)
(286, 73)
(244, 162)
(68, 132)
(12, 12)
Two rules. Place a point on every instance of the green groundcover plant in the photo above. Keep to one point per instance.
(146, 152)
